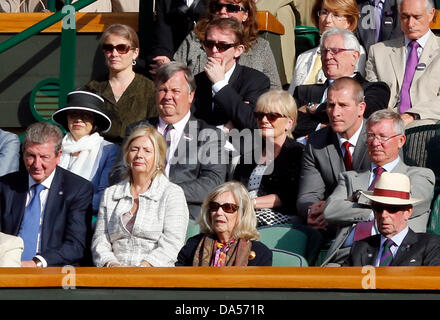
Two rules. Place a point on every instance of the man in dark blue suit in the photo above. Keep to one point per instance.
(49, 207)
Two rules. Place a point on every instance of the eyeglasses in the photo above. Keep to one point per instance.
(371, 136)
(120, 48)
(324, 14)
(271, 116)
(221, 47)
(230, 7)
(380, 207)
(333, 51)
(226, 207)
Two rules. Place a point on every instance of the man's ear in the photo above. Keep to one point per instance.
(238, 51)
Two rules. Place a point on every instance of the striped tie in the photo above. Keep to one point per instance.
(387, 255)
(167, 135)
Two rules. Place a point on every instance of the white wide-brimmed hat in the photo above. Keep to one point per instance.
(393, 189)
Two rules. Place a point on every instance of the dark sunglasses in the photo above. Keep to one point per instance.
(226, 207)
(221, 47)
(271, 116)
(120, 48)
(379, 208)
(230, 7)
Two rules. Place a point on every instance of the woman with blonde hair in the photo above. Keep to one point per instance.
(142, 220)
(272, 176)
(228, 232)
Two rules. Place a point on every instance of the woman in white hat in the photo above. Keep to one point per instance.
(85, 152)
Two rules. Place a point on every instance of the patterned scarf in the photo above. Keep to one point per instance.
(210, 252)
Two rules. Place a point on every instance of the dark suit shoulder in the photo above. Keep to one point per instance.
(74, 180)
(263, 255)
(320, 139)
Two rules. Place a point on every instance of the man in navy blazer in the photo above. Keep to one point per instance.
(395, 244)
(66, 198)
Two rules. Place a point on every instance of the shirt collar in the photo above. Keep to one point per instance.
(46, 182)
(421, 41)
(354, 138)
(179, 125)
(388, 166)
(228, 74)
(397, 239)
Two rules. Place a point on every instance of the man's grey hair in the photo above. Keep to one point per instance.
(380, 115)
(165, 72)
(43, 132)
(350, 40)
(429, 4)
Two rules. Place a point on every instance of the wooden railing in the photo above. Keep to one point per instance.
(353, 278)
(97, 22)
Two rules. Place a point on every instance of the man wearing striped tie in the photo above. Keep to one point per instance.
(396, 244)
(348, 211)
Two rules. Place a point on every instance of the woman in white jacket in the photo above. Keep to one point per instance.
(142, 220)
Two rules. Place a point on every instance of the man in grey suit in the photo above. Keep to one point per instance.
(349, 211)
(324, 154)
(410, 64)
(9, 152)
(196, 159)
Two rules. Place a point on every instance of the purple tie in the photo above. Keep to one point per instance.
(377, 173)
(387, 256)
(411, 64)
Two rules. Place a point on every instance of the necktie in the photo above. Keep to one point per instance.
(31, 224)
(167, 135)
(387, 256)
(378, 6)
(348, 160)
(363, 228)
(411, 64)
(312, 78)
(377, 173)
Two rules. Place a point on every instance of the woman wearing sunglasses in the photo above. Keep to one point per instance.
(128, 96)
(228, 232)
(258, 54)
(142, 220)
(326, 14)
(272, 177)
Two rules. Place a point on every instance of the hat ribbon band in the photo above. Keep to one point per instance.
(391, 193)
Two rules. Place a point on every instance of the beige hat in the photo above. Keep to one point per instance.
(392, 189)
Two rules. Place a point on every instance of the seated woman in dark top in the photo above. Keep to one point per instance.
(128, 96)
(272, 174)
(228, 232)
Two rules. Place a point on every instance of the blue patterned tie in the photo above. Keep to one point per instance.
(387, 255)
(31, 224)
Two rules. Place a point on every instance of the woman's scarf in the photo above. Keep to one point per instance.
(234, 253)
(88, 148)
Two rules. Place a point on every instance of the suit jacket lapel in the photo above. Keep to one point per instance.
(427, 55)
(334, 154)
(360, 151)
(405, 249)
(185, 148)
(54, 201)
(371, 254)
(398, 60)
(19, 203)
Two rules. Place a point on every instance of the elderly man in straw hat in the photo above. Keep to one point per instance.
(396, 244)
(350, 213)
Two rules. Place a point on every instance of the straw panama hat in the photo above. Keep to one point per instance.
(86, 101)
(393, 189)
